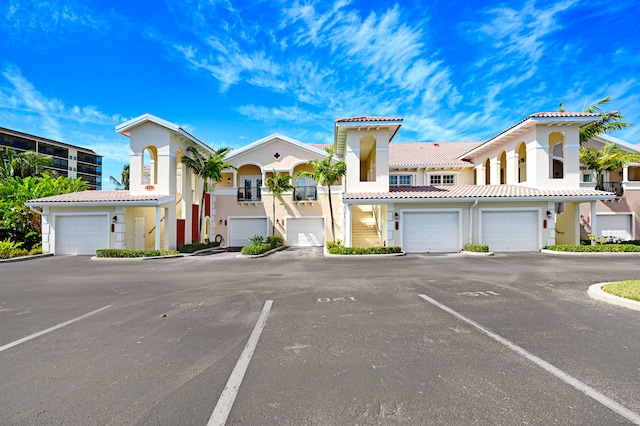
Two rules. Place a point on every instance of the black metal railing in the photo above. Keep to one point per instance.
(253, 193)
(615, 187)
(304, 193)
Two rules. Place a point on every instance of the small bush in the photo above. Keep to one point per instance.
(9, 249)
(275, 241)
(120, 253)
(255, 249)
(477, 248)
(191, 248)
(256, 240)
(599, 248)
(334, 248)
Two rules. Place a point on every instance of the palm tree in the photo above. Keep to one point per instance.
(327, 172)
(22, 164)
(123, 183)
(207, 168)
(277, 185)
(608, 158)
(608, 122)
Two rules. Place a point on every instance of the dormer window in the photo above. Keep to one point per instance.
(400, 180)
(442, 180)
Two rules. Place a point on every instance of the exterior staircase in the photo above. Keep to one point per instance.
(363, 227)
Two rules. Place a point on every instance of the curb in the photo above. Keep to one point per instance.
(595, 292)
(25, 258)
(475, 253)
(254, 256)
(361, 256)
(578, 253)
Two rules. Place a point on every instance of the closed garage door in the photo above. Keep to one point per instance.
(614, 225)
(431, 232)
(81, 234)
(506, 231)
(243, 228)
(305, 231)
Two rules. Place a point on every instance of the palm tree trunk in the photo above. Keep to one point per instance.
(333, 227)
(273, 218)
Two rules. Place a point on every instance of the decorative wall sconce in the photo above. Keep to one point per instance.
(396, 216)
(114, 219)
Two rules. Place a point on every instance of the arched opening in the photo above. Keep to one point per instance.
(487, 172)
(522, 162)
(502, 161)
(367, 159)
(556, 147)
(150, 166)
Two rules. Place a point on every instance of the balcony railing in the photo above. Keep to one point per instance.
(615, 187)
(250, 194)
(305, 193)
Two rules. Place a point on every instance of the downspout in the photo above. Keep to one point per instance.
(475, 203)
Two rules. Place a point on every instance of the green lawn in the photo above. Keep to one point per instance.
(627, 289)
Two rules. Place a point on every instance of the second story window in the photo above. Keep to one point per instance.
(442, 180)
(401, 180)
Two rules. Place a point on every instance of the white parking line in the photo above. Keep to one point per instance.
(49, 330)
(228, 396)
(582, 387)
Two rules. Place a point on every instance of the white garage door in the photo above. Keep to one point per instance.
(305, 231)
(82, 234)
(243, 228)
(506, 231)
(614, 225)
(431, 232)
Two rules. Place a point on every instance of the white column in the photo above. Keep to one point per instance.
(120, 228)
(511, 172)
(347, 225)
(235, 178)
(495, 172)
(480, 175)
(625, 173)
(594, 220)
(158, 219)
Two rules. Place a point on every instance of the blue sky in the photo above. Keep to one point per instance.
(234, 72)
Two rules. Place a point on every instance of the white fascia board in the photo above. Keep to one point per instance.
(479, 199)
(283, 138)
(624, 145)
(140, 203)
(431, 166)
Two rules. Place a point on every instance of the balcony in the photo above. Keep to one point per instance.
(615, 187)
(249, 194)
(305, 193)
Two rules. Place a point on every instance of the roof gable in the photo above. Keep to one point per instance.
(275, 151)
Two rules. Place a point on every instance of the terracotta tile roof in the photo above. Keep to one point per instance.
(97, 196)
(412, 154)
(366, 118)
(473, 191)
(564, 114)
(321, 146)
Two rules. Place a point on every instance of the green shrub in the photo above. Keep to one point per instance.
(334, 248)
(120, 253)
(275, 241)
(477, 248)
(599, 248)
(255, 249)
(256, 240)
(191, 248)
(10, 249)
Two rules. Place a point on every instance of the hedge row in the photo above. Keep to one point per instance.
(10, 249)
(598, 248)
(192, 248)
(115, 253)
(334, 248)
(477, 248)
(262, 247)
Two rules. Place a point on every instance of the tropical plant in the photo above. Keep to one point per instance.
(608, 158)
(277, 185)
(207, 168)
(608, 122)
(22, 164)
(18, 221)
(123, 183)
(327, 172)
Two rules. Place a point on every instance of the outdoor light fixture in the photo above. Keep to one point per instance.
(114, 219)
(220, 222)
(549, 214)
(396, 216)
(228, 180)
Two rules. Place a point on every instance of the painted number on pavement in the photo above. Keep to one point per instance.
(336, 299)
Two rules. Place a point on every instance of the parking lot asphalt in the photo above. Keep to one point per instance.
(402, 340)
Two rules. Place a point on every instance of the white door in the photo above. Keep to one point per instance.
(243, 228)
(431, 232)
(81, 234)
(305, 231)
(510, 231)
(614, 225)
(140, 233)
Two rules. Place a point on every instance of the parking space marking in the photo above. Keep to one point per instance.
(228, 396)
(49, 330)
(570, 380)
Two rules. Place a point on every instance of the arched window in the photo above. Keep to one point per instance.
(487, 172)
(367, 159)
(556, 148)
(150, 166)
(522, 162)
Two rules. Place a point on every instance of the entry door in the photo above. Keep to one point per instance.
(140, 231)
(252, 185)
